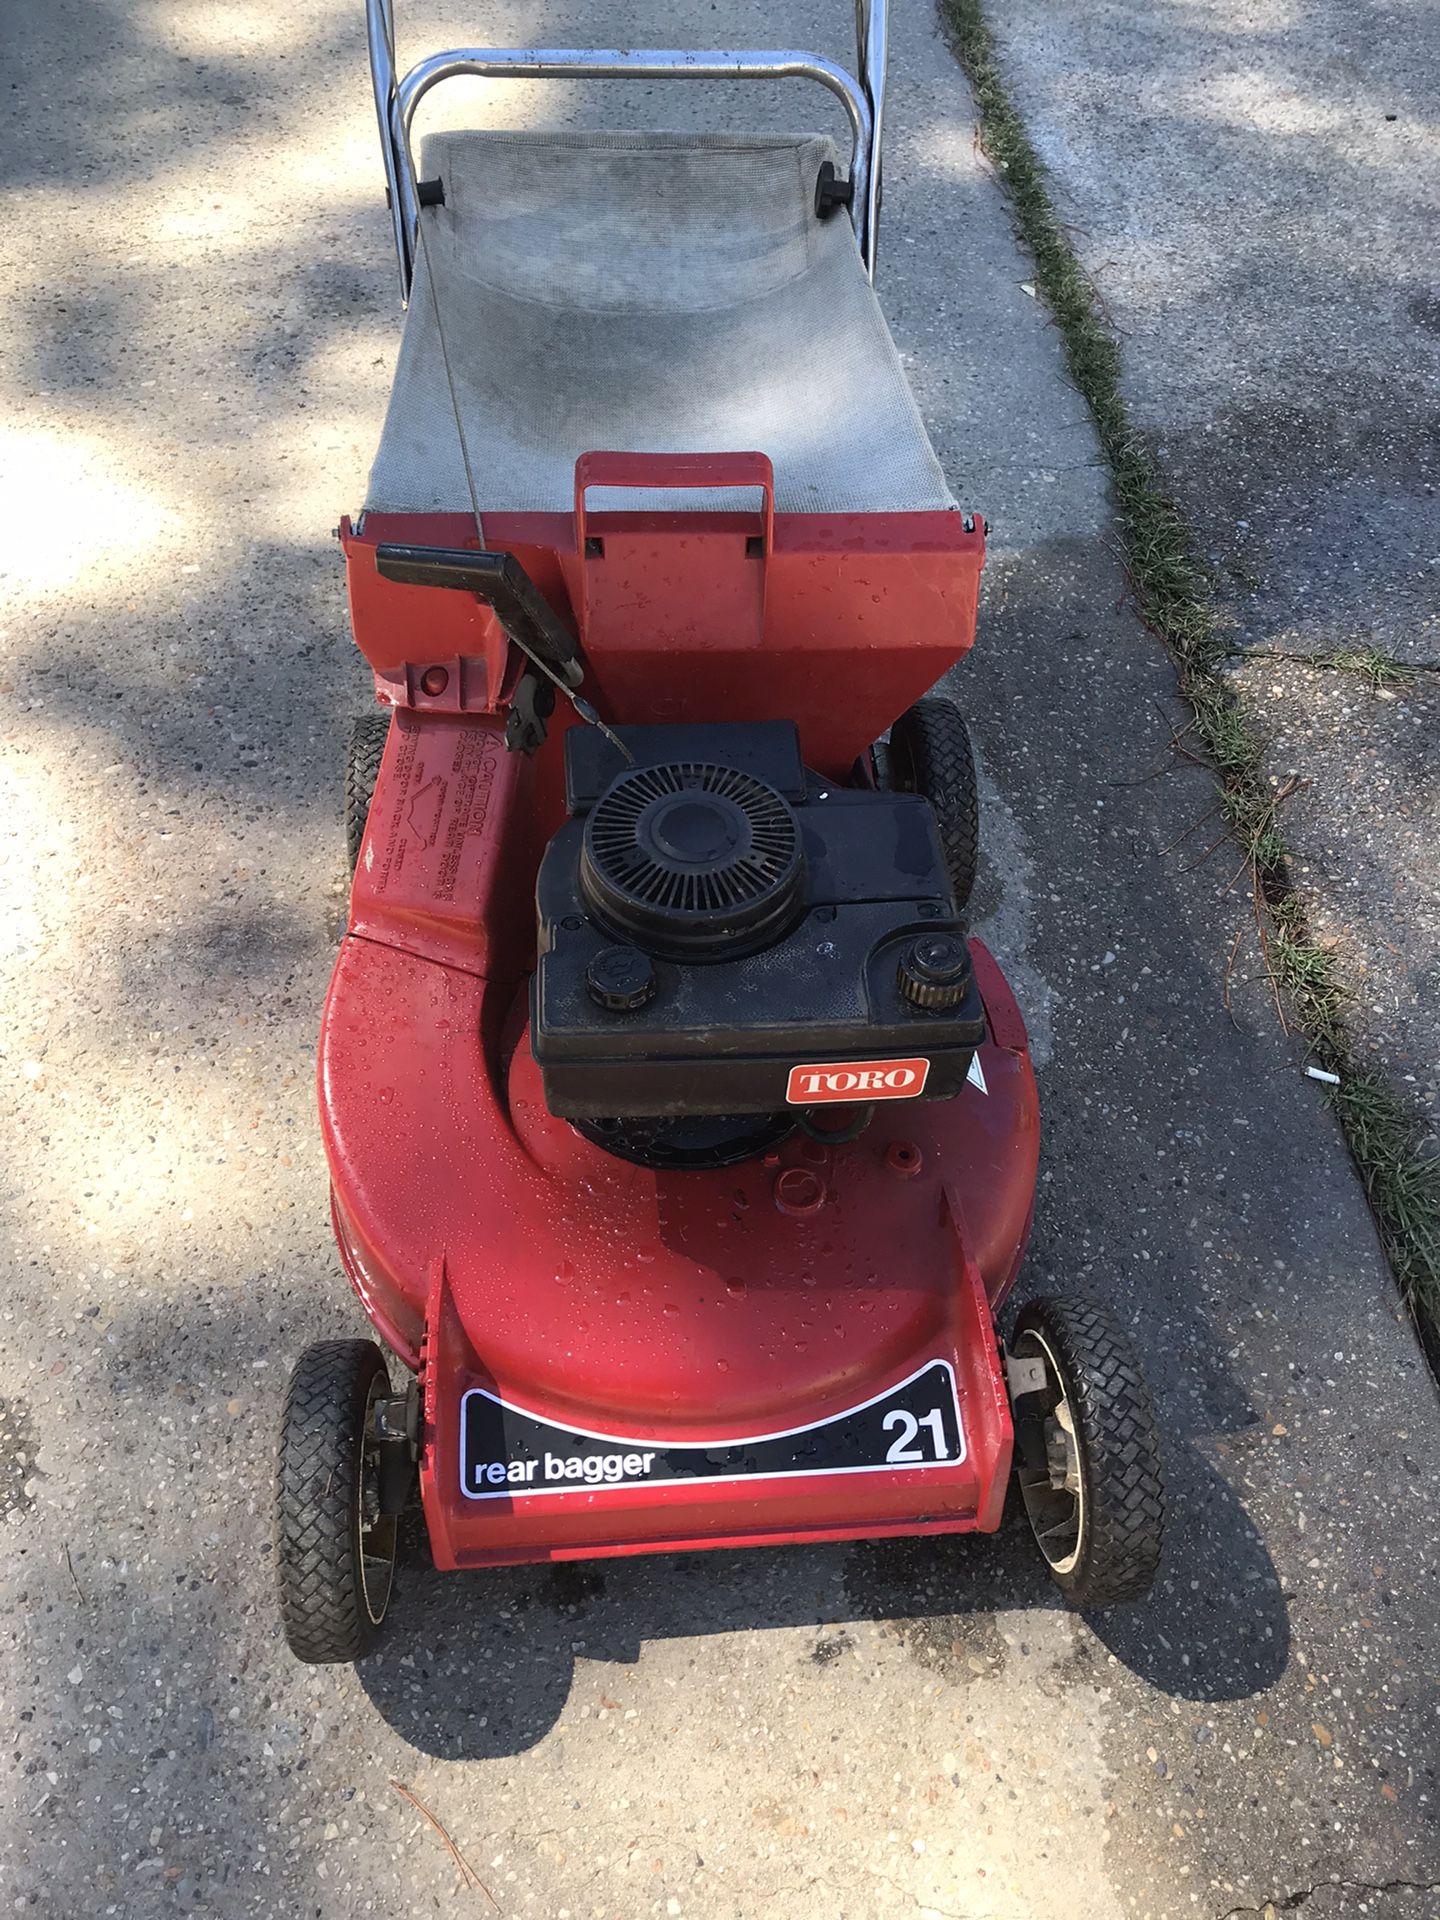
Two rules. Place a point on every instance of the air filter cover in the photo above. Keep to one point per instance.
(690, 859)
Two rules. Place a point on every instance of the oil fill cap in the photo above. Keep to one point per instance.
(620, 979)
(935, 972)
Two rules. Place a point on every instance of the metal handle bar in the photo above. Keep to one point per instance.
(396, 103)
(872, 45)
(647, 63)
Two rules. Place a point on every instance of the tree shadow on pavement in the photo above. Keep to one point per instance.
(207, 680)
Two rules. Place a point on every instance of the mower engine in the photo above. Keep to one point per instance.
(729, 942)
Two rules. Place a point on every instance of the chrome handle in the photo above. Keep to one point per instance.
(396, 101)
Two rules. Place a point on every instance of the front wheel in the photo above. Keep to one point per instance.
(1087, 1453)
(335, 1543)
(363, 753)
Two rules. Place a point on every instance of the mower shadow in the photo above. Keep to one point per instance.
(476, 1666)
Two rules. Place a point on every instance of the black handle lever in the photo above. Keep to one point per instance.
(499, 580)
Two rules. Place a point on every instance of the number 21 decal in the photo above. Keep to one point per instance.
(906, 1427)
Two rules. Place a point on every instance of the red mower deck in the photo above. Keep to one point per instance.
(646, 1311)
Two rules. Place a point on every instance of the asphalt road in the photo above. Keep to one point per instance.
(198, 332)
(1252, 185)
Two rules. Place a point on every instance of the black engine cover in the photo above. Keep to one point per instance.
(750, 944)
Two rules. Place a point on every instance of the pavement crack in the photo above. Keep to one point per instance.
(907, 1893)
(1372, 663)
(1292, 1902)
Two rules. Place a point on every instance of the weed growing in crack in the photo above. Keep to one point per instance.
(1382, 670)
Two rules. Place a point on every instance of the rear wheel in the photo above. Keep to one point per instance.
(930, 754)
(1088, 1453)
(335, 1546)
(363, 754)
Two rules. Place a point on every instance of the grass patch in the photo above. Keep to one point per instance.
(1382, 670)
(1402, 1177)
(1172, 593)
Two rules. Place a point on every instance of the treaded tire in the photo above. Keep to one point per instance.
(363, 754)
(324, 1606)
(1119, 1541)
(930, 754)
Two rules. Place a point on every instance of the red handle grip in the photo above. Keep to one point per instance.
(674, 470)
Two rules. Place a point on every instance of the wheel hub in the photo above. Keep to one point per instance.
(1051, 1484)
(377, 1528)
(1062, 1450)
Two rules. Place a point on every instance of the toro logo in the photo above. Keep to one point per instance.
(856, 1080)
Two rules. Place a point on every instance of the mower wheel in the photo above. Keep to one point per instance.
(930, 754)
(363, 755)
(335, 1548)
(1088, 1454)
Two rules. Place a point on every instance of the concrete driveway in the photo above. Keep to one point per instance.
(198, 332)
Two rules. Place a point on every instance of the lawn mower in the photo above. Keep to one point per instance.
(682, 1143)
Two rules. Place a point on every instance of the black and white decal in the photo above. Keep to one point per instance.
(506, 1453)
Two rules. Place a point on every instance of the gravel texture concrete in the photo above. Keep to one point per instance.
(197, 341)
(1253, 185)
(1366, 826)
